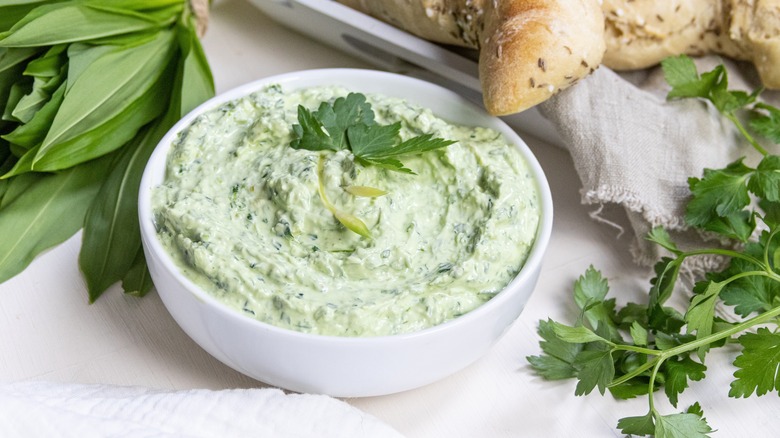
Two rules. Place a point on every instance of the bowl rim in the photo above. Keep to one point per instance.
(307, 78)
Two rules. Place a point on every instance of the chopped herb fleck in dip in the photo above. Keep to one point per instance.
(241, 213)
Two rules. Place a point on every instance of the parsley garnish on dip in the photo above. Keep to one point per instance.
(251, 219)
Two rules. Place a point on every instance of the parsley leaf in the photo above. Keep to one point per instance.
(684, 425)
(719, 193)
(765, 181)
(729, 202)
(595, 368)
(759, 364)
(316, 138)
(556, 362)
(641, 426)
(348, 124)
(590, 291)
(680, 72)
(701, 312)
(678, 372)
(767, 125)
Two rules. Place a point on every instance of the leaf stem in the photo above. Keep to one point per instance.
(723, 252)
(745, 133)
(662, 355)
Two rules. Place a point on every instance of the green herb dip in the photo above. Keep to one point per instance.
(240, 214)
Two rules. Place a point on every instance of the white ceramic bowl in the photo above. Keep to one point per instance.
(341, 366)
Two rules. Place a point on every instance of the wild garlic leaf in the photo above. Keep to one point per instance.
(15, 93)
(58, 23)
(196, 74)
(678, 372)
(137, 282)
(33, 132)
(111, 235)
(41, 93)
(12, 12)
(17, 187)
(758, 364)
(109, 135)
(107, 87)
(50, 211)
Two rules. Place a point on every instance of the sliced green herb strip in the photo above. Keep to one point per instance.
(365, 191)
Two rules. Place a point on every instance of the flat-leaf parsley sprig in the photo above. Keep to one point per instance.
(348, 124)
(644, 347)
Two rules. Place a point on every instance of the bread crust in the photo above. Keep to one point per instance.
(528, 49)
(533, 49)
(641, 33)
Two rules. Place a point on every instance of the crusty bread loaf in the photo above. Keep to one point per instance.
(444, 21)
(640, 33)
(528, 49)
(532, 49)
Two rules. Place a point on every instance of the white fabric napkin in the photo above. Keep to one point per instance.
(51, 410)
(634, 150)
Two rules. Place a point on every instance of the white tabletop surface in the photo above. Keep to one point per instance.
(48, 331)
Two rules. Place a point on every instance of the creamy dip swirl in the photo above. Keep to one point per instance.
(240, 214)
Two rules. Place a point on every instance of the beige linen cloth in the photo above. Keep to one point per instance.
(634, 150)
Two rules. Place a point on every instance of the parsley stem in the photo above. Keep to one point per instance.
(662, 355)
(766, 250)
(745, 133)
(724, 252)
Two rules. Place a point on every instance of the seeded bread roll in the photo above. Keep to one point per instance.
(640, 33)
(528, 49)
(532, 49)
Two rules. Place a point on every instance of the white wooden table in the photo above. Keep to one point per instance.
(48, 331)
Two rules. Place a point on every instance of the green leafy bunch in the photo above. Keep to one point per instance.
(348, 123)
(87, 89)
(641, 348)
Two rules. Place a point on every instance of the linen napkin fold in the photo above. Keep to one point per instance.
(634, 150)
(51, 410)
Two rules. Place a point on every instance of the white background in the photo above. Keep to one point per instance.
(48, 331)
